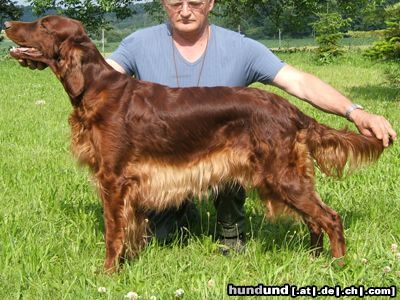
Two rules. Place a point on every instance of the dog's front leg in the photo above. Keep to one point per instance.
(115, 222)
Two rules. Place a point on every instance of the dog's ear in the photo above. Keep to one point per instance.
(70, 68)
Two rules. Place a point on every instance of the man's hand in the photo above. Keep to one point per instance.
(373, 125)
(32, 64)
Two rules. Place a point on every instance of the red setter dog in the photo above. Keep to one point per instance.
(150, 146)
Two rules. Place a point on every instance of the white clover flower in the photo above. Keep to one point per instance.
(394, 248)
(211, 283)
(386, 269)
(102, 289)
(398, 255)
(179, 293)
(153, 298)
(132, 296)
(364, 261)
(40, 102)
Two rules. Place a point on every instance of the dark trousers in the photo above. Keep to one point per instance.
(230, 215)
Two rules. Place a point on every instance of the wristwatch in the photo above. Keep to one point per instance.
(353, 107)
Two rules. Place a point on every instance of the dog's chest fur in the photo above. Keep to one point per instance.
(162, 184)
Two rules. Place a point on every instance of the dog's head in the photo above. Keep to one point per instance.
(57, 41)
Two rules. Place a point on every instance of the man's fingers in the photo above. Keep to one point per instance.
(386, 132)
(383, 131)
(391, 132)
(374, 125)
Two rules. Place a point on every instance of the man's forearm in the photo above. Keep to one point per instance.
(313, 90)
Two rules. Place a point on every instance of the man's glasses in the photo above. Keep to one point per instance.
(192, 4)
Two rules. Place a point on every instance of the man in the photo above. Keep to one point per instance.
(188, 51)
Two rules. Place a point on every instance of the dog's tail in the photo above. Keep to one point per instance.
(333, 149)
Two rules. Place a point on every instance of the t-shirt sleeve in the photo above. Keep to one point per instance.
(262, 64)
(126, 53)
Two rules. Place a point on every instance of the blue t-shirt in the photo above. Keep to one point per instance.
(230, 59)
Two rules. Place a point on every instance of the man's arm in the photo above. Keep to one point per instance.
(320, 94)
(115, 65)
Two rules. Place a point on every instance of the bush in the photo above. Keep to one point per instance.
(389, 48)
(255, 32)
(328, 35)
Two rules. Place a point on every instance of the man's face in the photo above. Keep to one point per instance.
(188, 15)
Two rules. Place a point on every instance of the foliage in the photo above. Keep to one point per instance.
(389, 47)
(328, 35)
(273, 16)
(269, 17)
(233, 13)
(91, 13)
(372, 16)
(8, 10)
(156, 10)
(293, 17)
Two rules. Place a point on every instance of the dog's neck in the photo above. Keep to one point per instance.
(92, 77)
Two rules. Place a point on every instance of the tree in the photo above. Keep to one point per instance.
(389, 48)
(8, 10)
(90, 12)
(273, 15)
(328, 35)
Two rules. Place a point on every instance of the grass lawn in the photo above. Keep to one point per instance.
(51, 227)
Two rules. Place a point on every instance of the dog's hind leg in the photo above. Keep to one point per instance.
(298, 194)
(276, 209)
(317, 216)
(316, 236)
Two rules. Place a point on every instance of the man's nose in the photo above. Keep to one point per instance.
(185, 11)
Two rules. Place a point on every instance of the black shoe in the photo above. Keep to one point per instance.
(229, 244)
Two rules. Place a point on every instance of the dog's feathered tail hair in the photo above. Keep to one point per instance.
(333, 149)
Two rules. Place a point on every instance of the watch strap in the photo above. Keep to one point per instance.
(352, 108)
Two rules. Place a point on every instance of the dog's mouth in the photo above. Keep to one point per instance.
(25, 52)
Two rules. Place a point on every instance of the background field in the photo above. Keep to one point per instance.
(51, 241)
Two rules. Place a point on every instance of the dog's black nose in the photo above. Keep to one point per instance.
(7, 24)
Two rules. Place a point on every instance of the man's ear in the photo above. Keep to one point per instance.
(212, 3)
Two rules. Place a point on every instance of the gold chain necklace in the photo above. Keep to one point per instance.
(202, 62)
